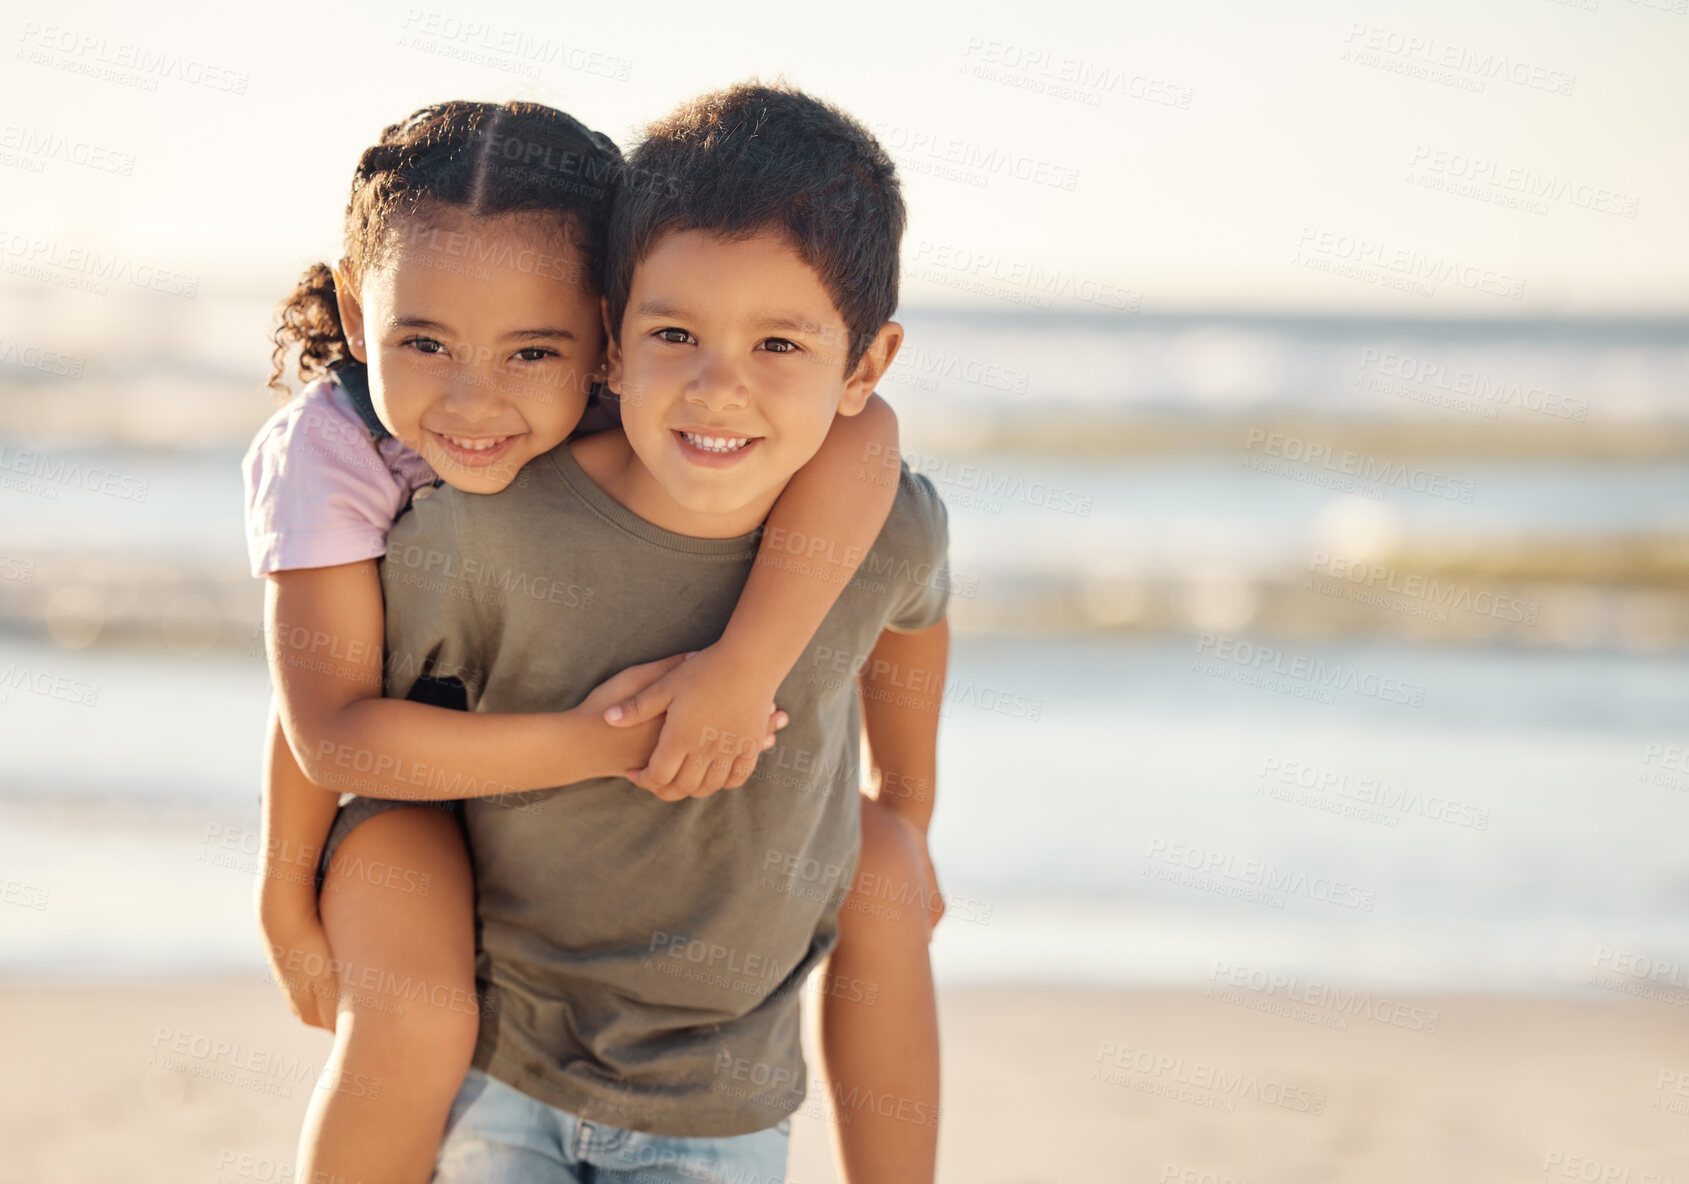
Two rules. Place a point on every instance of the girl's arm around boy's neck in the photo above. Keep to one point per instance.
(816, 536)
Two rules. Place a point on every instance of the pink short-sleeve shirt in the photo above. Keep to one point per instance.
(320, 489)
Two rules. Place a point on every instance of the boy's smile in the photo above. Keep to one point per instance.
(730, 368)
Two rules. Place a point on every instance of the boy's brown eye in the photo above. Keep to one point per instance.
(779, 345)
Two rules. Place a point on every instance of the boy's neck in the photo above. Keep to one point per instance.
(612, 464)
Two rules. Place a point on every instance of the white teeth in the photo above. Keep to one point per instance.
(716, 443)
(474, 445)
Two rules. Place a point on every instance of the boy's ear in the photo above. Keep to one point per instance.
(612, 350)
(871, 368)
(351, 311)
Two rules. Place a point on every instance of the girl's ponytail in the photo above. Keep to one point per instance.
(310, 320)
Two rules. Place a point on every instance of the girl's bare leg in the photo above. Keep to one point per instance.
(881, 1056)
(398, 907)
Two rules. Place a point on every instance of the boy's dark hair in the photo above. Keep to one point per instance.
(488, 159)
(753, 158)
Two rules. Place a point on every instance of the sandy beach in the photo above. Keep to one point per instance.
(1042, 1085)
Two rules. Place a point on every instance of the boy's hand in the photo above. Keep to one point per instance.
(298, 952)
(718, 722)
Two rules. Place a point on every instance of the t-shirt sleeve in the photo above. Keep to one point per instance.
(318, 493)
(924, 537)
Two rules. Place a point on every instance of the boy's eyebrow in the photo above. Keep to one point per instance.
(790, 322)
(793, 324)
(656, 308)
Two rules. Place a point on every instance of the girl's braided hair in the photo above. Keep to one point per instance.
(486, 158)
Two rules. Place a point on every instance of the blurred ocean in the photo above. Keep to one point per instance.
(1489, 521)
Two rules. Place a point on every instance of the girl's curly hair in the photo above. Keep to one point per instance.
(486, 158)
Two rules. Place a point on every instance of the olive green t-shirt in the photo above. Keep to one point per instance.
(642, 959)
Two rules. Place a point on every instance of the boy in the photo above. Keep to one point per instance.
(642, 958)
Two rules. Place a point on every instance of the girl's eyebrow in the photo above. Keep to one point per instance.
(418, 323)
(515, 335)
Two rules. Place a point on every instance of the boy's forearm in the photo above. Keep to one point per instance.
(902, 688)
(817, 536)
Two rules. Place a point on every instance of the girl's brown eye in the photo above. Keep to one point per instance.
(674, 336)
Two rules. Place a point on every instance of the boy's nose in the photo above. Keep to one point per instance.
(717, 385)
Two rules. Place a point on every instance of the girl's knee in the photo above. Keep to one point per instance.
(890, 882)
(887, 853)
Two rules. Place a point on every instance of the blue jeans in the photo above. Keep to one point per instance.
(497, 1134)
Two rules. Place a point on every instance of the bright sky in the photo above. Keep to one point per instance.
(1293, 156)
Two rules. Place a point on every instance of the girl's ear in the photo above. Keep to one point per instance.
(871, 368)
(351, 311)
(612, 350)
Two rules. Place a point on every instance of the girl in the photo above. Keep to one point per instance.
(459, 337)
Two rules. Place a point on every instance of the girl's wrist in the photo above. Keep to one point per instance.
(750, 661)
